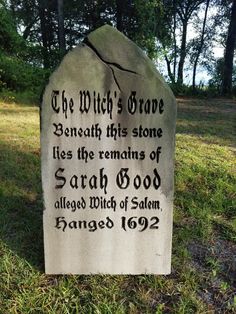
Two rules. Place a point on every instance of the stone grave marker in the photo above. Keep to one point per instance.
(107, 150)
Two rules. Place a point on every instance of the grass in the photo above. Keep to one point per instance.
(203, 278)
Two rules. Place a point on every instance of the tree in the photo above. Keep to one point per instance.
(143, 22)
(178, 14)
(44, 33)
(119, 14)
(167, 38)
(229, 53)
(11, 42)
(200, 45)
(25, 15)
(185, 9)
(61, 30)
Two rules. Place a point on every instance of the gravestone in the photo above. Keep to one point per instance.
(107, 149)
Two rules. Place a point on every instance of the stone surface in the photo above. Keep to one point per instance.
(107, 173)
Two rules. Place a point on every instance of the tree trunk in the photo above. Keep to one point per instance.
(28, 28)
(171, 76)
(175, 44)
(182, 52)
(43, 26)
(61, 30)
(119, 14)
(13, 12)
(200, 46)
(70, 34)
(174, 38)
(229, 53)
(95, 16)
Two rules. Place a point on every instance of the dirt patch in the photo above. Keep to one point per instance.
(216, 266)
(222, 251)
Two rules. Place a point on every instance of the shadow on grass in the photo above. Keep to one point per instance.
(213, 119)
(21, 206)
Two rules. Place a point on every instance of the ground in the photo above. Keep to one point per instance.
(203, 278)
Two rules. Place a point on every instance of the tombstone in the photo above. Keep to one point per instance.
(107, 150)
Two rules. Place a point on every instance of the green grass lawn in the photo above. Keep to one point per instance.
(203, 278)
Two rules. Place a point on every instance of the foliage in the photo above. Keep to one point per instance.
(16, 75)
(142, 25)
(10, 41)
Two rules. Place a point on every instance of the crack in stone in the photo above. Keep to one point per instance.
(109, 64)
(115, 79)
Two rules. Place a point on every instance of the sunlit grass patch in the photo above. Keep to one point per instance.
(206, 173)
(19, 126)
